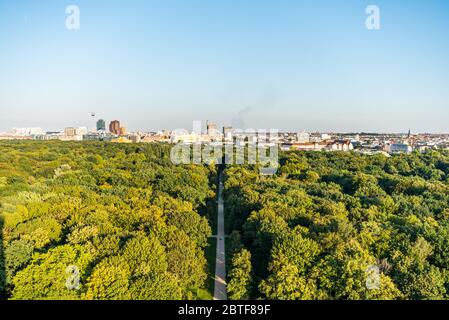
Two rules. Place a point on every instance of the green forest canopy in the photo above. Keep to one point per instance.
(120, 218)
(313, 230)
(107, 221)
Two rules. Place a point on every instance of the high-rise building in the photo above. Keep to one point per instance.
(114, 127)
(70, 132)
(101, 125)
(80, 131)
(212, 129)
(228, 132)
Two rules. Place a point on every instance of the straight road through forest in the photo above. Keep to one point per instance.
(220, 264)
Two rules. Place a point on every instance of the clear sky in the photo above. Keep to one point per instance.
(284, 64)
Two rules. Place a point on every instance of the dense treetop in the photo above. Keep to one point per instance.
(108, 221)
(120, 218)
(313, 230)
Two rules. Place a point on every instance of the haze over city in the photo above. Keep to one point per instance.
(289, 65)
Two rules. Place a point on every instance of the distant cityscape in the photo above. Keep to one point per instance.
(368, 143)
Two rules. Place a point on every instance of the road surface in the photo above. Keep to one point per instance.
(220, 264)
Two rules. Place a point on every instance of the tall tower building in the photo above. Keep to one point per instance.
(101, 125)
(227, 133)
(114, 127)
(211, 129)
(70, 132)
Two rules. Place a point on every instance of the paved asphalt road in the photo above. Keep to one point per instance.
(220, 266)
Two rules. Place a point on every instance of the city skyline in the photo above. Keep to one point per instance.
(101, 124)
(289, 65)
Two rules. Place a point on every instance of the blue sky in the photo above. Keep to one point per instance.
(285, 64)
